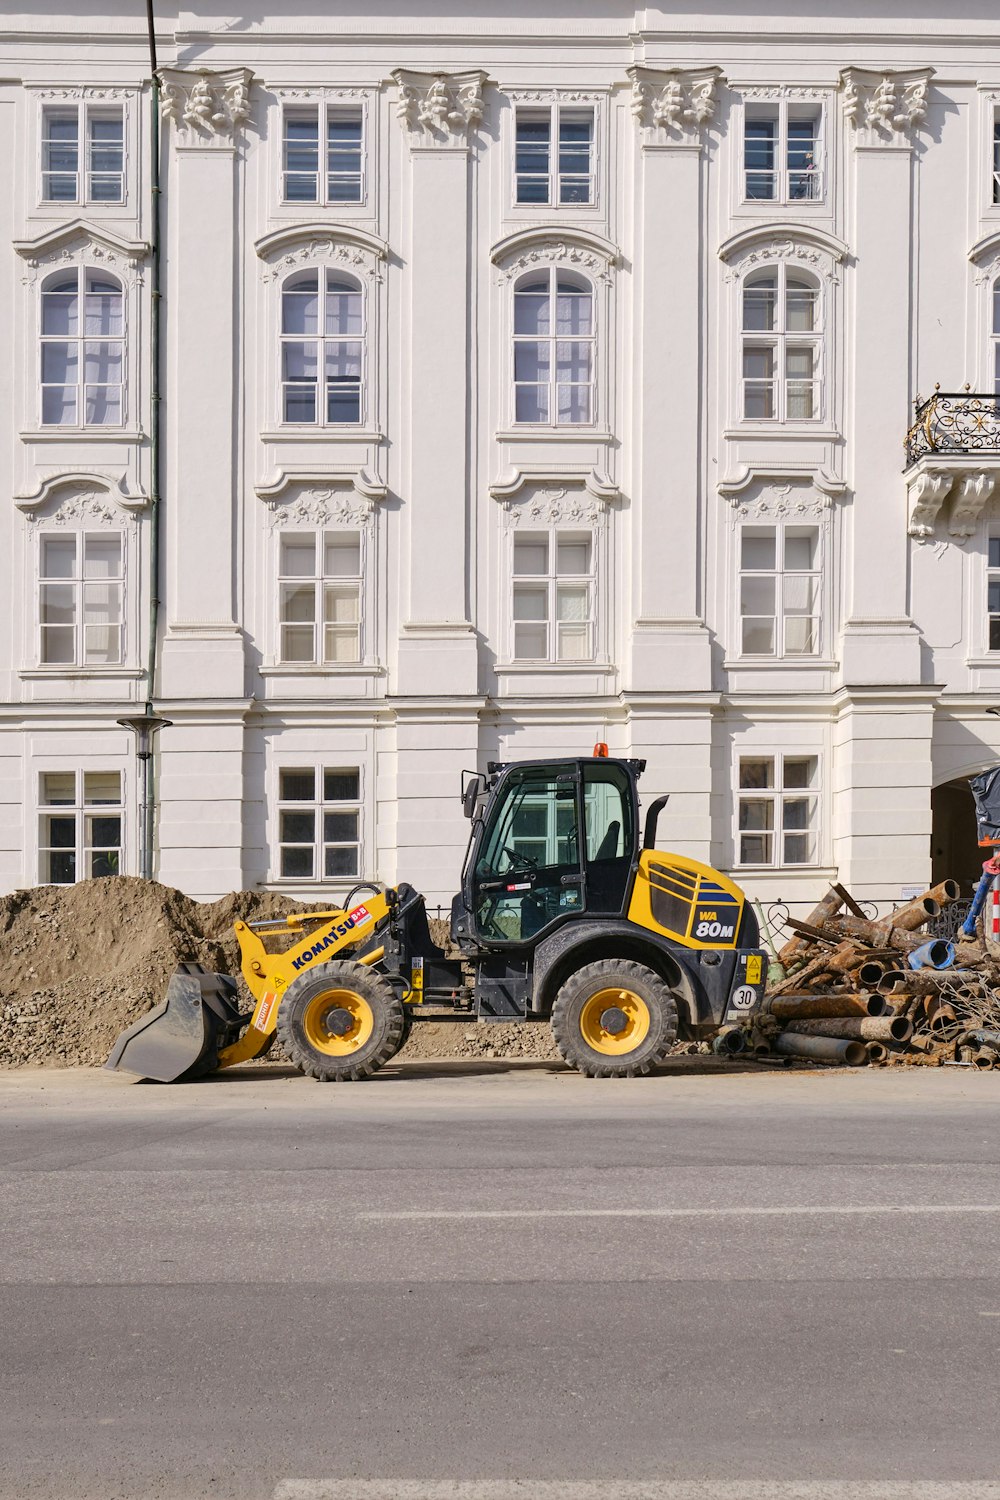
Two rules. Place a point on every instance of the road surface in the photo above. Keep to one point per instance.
(454, 1277)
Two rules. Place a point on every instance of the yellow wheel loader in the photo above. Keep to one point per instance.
(565, 913)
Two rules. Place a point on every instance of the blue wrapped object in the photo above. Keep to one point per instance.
(937, 954)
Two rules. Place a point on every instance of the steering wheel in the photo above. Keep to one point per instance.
(520, 861)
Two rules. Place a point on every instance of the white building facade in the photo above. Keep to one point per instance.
(523, 383)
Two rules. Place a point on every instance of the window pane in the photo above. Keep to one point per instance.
(300, 307)
(298, 556)
(758, 361)
(800, 772)
(574, 643)
(799, 848)
(102, 363)
(58, 644)
(297, 863)
(57, 788)
(800, 635)
(344, 311)
(341, 643)
(341, 862)
(993, 597)
(58, 557)
(531, 556)
(298, 643)
(101, 787)
(573, 403)
(573, 603)
(573, 556)
(298, 602)
(298, 827)
(574, 311)
(340, 827)
(795, 812)
(800, 307)
(756, 813)
(104, 405)
(756, 595)
(102, 311)
(531, 403)
(800, 550)
(101, 603)
(995, 635)
(759, 158)
(758, 552)
(995, 551)
(800, 595)
(531, 642)
(297, 786)
(102, 557)
(341, 604)
(755, 848)
(530, 603)
(60, 363)
(799, 363)
(57, 604)
(531, 311)
(757, 774)
(61, 313)
(104, 833)
(58, 406)
(343, 556)
(340, 786)
(531, 361)
(758, 637)
(759, 300)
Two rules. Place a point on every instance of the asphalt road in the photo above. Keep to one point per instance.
(463, 1276)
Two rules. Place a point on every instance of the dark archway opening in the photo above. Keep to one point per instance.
(955, 851)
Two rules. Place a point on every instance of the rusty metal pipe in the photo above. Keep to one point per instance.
(911, 916)
(877, 1053)
(943, 1018)
(730, 1042)
(828, 907)
(863, 1028)
(826, 1049)
(944, 892)
(873, 971)
(816, 1007)
(983, 1059)
(983, 1038)
(924, 981)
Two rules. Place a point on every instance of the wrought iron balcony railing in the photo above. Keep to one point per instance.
(954, 423)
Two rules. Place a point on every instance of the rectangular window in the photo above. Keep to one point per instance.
(778, 810)
(554, 156)
(996, 159)
(553, 596)
(80, 600)
(319, 821)
(79, 825)
(779, 591)
(95, 134)
(993, 593)
(337, 176)
(319, 588)
(782, 153)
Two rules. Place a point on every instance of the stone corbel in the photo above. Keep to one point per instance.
(885, 106)
(439, 108)
(927, 492)
(110, 483)
(207, 108)
(971, 496)
(674, 104)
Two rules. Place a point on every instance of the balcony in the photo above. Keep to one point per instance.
(952, 453)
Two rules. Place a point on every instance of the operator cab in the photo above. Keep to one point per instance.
(557, 838)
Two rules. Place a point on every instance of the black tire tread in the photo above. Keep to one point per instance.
(387, 1037)
(606, 972)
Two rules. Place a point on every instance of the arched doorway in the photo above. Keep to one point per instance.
(955, 851)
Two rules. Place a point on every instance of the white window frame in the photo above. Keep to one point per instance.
(85, 110)
(79, 584)
(780, 339)
(551, 581)
(320, 581)
(82, 270)
(778, 795)
(782, 576)
(593, 340)
(327, 111)
(786, 177)
(80, 811)
(356, 284)
(992, 577)
(555, 111)
(318, 805)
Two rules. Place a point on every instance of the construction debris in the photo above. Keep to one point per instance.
(849, 989)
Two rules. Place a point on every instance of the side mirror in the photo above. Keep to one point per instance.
(471, 790)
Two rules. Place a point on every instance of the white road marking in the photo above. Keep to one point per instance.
(677, 1489)
(751, 1211)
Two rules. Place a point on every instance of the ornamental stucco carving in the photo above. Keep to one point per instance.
(92, 91)
(674, 103)
(780, 502)
(333, 249)
(554, 507)
(804, 251)
(81, 243)
(316, 507)
(970, 489)
(94, 507)
(577, 251)
(884, 107)
(439, 108)
(206, 108)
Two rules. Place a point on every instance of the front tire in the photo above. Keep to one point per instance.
(340, 1022)
(614, 1019)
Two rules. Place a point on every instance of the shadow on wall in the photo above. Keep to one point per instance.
(955, 851)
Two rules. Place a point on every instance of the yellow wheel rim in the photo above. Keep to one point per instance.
(614, 1021)
(338, 1022)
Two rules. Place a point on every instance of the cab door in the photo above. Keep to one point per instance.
(528, 870)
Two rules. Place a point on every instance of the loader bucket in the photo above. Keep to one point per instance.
(181, 1037)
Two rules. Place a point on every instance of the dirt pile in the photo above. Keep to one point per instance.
(80, 963)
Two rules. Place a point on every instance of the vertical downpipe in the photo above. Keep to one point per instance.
(148, 787)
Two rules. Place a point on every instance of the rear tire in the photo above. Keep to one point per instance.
(340, 1022)
(614, 1019)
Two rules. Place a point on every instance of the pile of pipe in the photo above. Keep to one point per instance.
(849, 990)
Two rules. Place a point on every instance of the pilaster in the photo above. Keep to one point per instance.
(673, 109)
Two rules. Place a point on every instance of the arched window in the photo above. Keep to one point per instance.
(82, 349)
(553, 348)
(322, 349)
(782, 346)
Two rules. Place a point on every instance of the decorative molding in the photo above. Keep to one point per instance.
(554, 507)
(323, 91)
(927, 493)
(307, 244)
(79, 242)
(781, 91)
(985, 256)
(439, 108)
(791, 501)
(319, 507)
(766, 243)
(596, 484)
(554, 96)
(547, 245)
(674, 103)
(207, 108)
(364, 484)
(733, 485)
(884, 106)
(97, 92)
(89, 481)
